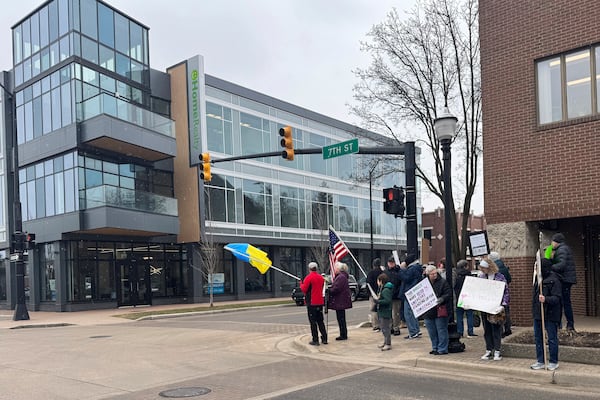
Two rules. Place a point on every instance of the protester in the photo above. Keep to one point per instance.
(384, 310)
(492, 323)
(463, 270)
(564, 266)
(504, 270)
(372, 282)
(410, 273)
(393, 276)
(340, 299)
(436, 318)
(548, 297)
(312, 287)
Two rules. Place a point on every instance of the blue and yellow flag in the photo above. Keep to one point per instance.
(253, 255)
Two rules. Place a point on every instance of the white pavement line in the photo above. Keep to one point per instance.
(312, 384)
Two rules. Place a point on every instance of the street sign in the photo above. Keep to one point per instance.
(14, 257)
(340, 149)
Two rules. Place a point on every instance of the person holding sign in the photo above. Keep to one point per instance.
(493, 322)
(436, 318)
(546, 298)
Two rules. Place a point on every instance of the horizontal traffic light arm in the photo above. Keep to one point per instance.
(361, 150)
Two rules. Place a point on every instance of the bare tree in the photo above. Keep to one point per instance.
(320, 215)
(419, 66)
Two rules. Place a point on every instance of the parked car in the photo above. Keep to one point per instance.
(298, 296)
(363, 290)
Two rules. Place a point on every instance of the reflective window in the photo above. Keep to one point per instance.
(579, 85)
(106, 25)
(89, 19)
(89, 50)
(219, 127)
(258, 205)
(135, 41)
(121, 34)
(63, 17)
(17, 45)
(44, 32)
(53, 21)
(35, 33)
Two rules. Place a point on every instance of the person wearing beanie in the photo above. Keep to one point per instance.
(504, 270)
(376, 269)
(546, 299)
(564, 266)
(312, 287)
(410, 273)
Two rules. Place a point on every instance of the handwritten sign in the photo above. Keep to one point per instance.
(481, 294)
(421, 297)
(478, 241)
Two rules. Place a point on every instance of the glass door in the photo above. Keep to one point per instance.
(133, 282)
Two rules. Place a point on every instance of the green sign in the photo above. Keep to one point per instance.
(340, 149)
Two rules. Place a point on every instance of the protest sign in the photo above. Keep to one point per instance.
(421, 297)
(481, 294)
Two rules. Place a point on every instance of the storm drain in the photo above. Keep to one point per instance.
(184, 392)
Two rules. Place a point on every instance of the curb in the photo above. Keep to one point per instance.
(221, 311)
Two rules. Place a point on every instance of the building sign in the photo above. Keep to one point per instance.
(196, 106)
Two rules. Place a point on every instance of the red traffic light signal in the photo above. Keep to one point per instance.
(30, 239)
(287, 142)
(394, 201)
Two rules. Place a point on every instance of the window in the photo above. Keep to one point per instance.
(565, 88)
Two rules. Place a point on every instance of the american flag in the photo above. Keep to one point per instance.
(337, 249)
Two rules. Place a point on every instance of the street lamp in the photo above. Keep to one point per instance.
(445, 127)
(18, 236)
(371, 206)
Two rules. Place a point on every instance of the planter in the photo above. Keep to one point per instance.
(582, 355)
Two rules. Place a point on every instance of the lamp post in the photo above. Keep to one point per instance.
(371, 206)
(445, 127)
(18, 237)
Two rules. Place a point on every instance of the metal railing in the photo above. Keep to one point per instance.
(106, 195)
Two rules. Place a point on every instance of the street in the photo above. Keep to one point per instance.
(246, 354)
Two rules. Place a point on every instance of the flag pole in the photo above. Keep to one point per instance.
(237, 253)
(349, 252)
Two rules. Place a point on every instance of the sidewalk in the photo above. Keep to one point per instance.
(361, 347)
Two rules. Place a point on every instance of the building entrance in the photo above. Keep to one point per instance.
(133, 282)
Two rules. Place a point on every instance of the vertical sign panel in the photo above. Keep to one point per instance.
(196, 107)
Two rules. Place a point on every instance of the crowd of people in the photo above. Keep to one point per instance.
(390, 309)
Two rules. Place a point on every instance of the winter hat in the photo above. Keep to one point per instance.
(377, 262)
(558, 238)
(462, 264)
(494, 256)
(410, 258)
(313, 266)
(392, 259)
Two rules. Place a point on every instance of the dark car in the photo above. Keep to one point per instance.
(363, 290)
(298, 296)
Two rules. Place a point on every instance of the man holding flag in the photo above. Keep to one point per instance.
(312, 287)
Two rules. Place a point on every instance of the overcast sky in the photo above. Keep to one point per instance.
(299, 51)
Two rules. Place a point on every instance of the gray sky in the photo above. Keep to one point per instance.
(299, 51)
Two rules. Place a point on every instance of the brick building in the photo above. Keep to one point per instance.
(541, 118)
(434, 241)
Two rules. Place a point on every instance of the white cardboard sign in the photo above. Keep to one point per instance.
(481, 294)
(421, 297)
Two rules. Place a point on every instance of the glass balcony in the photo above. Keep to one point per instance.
(118, 108)
(105, 195)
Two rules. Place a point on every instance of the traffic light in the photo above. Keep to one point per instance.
(205, 172)
(394, 201)
(18, 241)
(30, 239)
(287, 142)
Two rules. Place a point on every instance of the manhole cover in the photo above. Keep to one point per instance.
(99, 336)
(185, 392)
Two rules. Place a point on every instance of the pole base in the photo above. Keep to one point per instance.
(21, 313)
(454, 344)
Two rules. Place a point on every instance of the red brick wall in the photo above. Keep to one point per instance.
(534, 173)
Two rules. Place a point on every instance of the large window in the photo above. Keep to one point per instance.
(565, 88)
(292, 207)
(258, 203)
(219, 126)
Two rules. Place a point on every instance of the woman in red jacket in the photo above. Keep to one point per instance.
(312, 287)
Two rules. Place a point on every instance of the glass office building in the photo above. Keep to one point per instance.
(109, 183)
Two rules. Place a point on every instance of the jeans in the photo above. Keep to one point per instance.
(566, 298)
(385, 324)
(460, 326)
(411, 322)
(438, 334)
(552, 331)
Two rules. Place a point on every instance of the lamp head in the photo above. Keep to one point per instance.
(445, 125)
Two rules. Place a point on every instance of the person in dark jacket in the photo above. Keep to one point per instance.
(564, 266)
(548, 297)
(372, 276)
(340, 299)
(504, 270)
(462, 271)
(437, 325)
(384, 310)
(312, 287)
(393, 276)
(410, 273)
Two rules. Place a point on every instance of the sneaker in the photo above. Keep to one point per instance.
(497, 356)
(386, 347)
(396, 332)
(415, 336)
(376, 329)
(537, 365)
(487, 355)
(552, 366)
(434, 352)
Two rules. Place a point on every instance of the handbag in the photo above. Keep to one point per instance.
(476, 320)
(497, 319)
(442, 311)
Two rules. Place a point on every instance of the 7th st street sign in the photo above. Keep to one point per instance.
(340, 149)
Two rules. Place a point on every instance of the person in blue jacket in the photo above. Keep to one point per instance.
(410, 273)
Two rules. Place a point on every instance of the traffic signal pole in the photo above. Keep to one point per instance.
(410, 165)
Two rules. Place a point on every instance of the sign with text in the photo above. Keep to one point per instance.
(481, 294)
(421, 297)
(340, 149)
(478, 242)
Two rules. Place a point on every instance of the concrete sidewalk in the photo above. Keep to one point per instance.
(361, 347)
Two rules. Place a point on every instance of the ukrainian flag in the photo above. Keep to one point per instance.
(253, 255)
